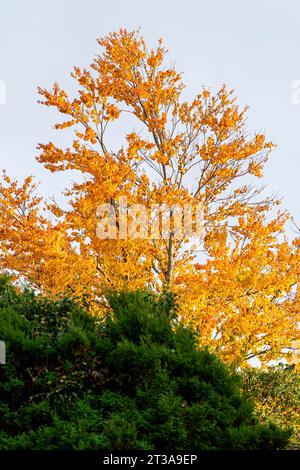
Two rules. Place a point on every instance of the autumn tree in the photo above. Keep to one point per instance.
(238, 287)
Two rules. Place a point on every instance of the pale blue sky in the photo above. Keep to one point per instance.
(251, 46)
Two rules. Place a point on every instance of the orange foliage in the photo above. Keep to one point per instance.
(240, 289)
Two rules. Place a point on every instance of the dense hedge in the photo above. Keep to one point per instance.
(133, 381)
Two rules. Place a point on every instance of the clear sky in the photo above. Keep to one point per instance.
(253, 47)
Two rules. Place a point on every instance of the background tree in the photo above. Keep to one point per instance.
(239, 289)
(276, 392)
